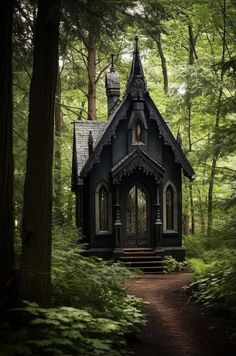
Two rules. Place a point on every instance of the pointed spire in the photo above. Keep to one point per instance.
(136, 85)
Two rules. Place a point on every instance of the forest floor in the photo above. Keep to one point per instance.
(177, 326)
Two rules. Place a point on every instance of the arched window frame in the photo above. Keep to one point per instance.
(133, 123)
(175, 226)
(135, 141)
(99, 187)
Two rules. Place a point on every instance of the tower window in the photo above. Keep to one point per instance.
(138, 133)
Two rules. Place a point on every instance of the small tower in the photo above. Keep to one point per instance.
(112, 83)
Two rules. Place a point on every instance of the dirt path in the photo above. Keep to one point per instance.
(177, 326)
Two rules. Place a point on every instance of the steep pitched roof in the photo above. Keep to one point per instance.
(169, 139)
(136, 90)
(82, 129)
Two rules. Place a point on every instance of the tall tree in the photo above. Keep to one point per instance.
(99, 22)
(191, 59)
(218, 117)
(6, 151)
(36, 220)
(57, 156)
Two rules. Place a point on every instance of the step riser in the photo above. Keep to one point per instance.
(148, 270)
(143, 263)
(143, 259)
(132, 259)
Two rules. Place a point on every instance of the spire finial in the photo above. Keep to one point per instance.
(112, 63)
(136, 85)
(136, 44)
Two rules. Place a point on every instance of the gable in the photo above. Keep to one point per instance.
(127, 109)
(137, 159)
(164, 132)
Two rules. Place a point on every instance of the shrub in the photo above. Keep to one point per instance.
(215, 284)
(171, 265)
(91, 311)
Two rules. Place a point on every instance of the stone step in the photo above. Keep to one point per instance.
(144, 259)
(143, 263)
(141, 258)
(138, 253)
(131, 249)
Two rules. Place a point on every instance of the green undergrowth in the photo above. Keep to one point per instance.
(214, 268)
(91, 312)
(171, 265)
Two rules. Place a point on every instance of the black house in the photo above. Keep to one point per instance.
(127, 174)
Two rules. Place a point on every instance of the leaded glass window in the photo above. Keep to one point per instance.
(169, 208)
(103, 209)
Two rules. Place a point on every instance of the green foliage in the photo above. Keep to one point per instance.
(215, 273)
(171, 265)
(215, 284)
(81, 281)
(92, 312)
(194, 245)
(64, 331)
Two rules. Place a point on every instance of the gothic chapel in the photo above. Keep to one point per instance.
(127, 174)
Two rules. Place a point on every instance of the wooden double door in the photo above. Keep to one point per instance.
(137, 208)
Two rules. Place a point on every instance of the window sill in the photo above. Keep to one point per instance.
(140, 143)
(170, 232)
(103, 233)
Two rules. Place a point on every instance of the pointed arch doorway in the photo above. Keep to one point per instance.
(136, 218)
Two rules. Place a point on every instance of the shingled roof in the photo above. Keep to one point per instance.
(81, 134)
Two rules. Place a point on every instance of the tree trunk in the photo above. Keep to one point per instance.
(36, 221)
(58, 215)
(216, 154)
(91, 76)
(201, 213)
(213, 167)
(192, 212)
(6, 154)
(163, 62)
(192, 208)
(192, 43)
(192, 56)
(210, 196)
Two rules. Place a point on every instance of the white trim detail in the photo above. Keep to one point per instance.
(97, 211)
(175, 207)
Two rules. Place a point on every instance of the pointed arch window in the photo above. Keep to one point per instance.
(138, 133)
(170, 207)
(103, 209)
